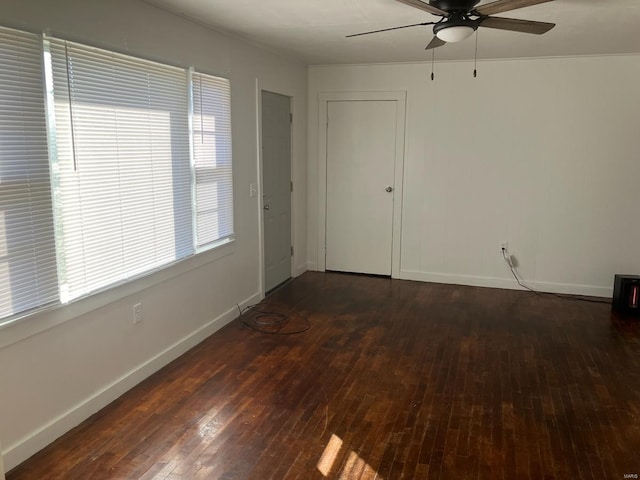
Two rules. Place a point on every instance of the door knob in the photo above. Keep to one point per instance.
(389, 189)
(266, 207)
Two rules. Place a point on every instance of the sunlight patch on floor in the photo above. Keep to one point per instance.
(355, 468)
(329, 455)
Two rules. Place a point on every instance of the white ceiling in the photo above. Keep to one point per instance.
(314, 30)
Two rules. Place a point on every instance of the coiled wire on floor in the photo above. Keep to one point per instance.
(271, 323)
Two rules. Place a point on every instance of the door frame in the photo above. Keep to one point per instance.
(261, 255)
(1, 464)
(400, 97)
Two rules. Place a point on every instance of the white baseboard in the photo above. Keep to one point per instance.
(36, 441)
(510, 284)
(300, 269)
(312, 266)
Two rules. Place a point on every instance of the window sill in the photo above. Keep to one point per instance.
(22, 327)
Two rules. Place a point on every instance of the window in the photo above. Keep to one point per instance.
(122, 181)
(27, 248)
(212, 159)
(110, 167)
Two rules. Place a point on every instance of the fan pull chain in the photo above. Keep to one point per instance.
(475, 64)
(433, 59)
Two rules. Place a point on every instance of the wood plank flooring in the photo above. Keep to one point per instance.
(393, 379)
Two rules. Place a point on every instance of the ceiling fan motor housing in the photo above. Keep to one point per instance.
(452, 5)
(457, 19)
(458, 15)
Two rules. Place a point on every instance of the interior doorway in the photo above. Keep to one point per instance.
(360, 172)
(276, 188)
(361, 144)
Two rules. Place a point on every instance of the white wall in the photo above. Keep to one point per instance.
(541, 153)
(58, 367)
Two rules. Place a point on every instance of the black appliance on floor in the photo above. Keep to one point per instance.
(626, 294)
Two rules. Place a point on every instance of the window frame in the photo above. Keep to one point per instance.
(28, 255)
(231, 236)
(14, 327)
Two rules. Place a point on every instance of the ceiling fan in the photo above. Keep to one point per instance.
(460, 18)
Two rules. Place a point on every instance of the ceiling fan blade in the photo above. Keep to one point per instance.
(388, 29)
(517, 25)
(500, 6)
(435, 43)
(424, 6)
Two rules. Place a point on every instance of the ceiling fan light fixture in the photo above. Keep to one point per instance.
(455, 33)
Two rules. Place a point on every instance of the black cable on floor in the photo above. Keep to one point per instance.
(266, 319)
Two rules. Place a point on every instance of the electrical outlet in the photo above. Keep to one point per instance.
(503, 245)
(137, 313)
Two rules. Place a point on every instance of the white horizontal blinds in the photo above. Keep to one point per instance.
(27, 248)
(211, 125)
(123, 187)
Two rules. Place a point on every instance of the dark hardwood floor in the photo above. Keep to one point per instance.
(393, 379)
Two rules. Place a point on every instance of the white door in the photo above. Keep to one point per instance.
(361, 149)
(276, 188)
